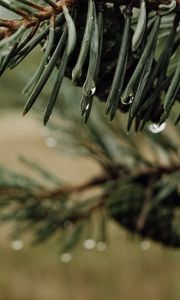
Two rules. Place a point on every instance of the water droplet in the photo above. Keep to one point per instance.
(101, 246)
(93, 91)
(87, 107)
(89, 244)
(66, 257)
(145, 245)
(17, 245)
(109, 5)
(156, 128)
(128, 100)
(51, 142)
(20, 181)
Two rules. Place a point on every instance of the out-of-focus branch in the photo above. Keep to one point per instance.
(104, 178)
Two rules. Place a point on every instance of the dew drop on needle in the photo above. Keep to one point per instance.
(156, 128)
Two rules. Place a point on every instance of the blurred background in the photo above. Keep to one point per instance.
(128, 269)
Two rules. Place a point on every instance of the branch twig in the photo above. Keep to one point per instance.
(47, 12)
(104, 178)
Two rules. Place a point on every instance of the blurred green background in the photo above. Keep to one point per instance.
(129, 269)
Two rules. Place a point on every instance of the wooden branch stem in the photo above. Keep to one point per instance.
(10, 26)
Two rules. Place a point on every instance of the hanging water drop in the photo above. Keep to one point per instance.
(17, 245)
(93, 91)
(66, 258)
(101, 246)
(128, 100)
(145, 245)
(89, 244)
(156, 128)
(21, 182)
(51, 142)
(87, 107)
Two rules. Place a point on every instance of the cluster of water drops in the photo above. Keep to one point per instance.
(88, 244)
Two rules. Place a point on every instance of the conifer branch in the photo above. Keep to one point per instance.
(45, 12)
(140, 194)
(120, 174)
(135, 84)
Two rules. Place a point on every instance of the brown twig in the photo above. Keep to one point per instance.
(92, 183)
(46, 13)
(104, 178)
(146, 207)
(29, 21)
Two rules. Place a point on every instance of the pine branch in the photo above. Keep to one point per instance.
(127, 86)
(45, 12)
(60, 206)
(103, 179)
(111, 55)
(140, 194)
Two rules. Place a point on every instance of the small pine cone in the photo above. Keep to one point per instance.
(160, 222)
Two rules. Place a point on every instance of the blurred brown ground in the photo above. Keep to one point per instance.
(123, 272)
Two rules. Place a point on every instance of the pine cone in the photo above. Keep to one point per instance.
(156, 217)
